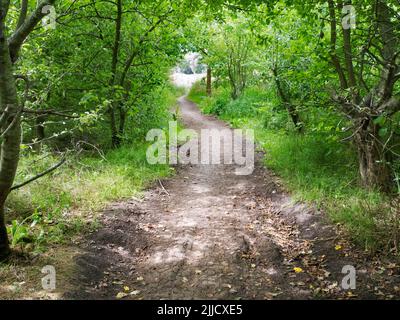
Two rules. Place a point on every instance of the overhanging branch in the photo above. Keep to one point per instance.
(18, 37)
(49, 112)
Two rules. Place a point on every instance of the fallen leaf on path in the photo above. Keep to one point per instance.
(135, 292)
(333, 286)
(327, 274)
(271, 295)
(121, 295)
(351, 295)
(298, 269)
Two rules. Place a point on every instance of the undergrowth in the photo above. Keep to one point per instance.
(64, 203)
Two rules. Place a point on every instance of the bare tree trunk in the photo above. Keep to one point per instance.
(209, 79)
(234, 93)
(4, 245)
(11, 129)
(115, 140)
(291, 109)
(373, 156)
(40, 131)
(334, 57)
(122, 120)
(374, 171)
(237, 71)
(373, 161)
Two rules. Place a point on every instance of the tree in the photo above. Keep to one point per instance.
(366, 62)
(238, 48)
(10, 106)
(367, 65)
(131, 51)
(231, 53)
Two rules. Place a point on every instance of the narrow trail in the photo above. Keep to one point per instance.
(210, 234)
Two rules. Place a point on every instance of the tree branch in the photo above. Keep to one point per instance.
(22, 14)
(40, 175)
(130, 59)
(18, 37)
(334, 57)
(49, 112)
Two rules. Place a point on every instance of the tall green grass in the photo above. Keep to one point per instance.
(61, 204)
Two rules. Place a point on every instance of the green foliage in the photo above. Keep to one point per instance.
(63, 204)
(197, 92)
(314, 166)
(77, 79)
(292, 72)
(18, 231)
(151, 112)
(91, 79)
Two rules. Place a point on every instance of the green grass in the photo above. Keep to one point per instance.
(315, 167)
(197, 93)
(62, 204)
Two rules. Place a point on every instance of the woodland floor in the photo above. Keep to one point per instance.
(207, 233)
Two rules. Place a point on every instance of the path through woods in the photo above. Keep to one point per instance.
(207, 233)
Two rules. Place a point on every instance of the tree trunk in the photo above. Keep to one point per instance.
(11, 129)
(234, 94)
(209, 84)
(294, 115)
(4, 245)
(373, 163)
(285, 98)
(40, 131)
(122, 120)
(115, 139)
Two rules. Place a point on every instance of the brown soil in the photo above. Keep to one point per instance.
(207, 233)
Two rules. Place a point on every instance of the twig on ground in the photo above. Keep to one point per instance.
(101, 154)
(159, 181)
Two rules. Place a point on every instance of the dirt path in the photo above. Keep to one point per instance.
(210, 234)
